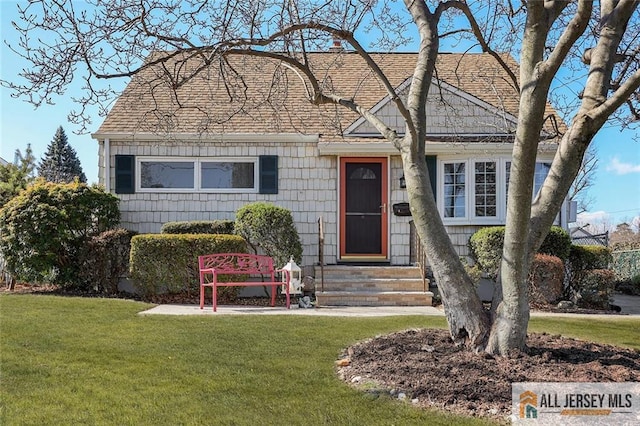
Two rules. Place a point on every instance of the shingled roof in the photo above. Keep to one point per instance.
(249, 94)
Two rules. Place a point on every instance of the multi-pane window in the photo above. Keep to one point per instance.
(483, 199)
(239, 175)
(455, 190)
(486, 188)
(540, 174)
(542, 170)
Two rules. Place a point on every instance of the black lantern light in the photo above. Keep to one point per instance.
(403, 182)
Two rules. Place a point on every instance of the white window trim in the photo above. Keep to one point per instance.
(470, 217)
(472, 191)
(197, 174)
(440, 190)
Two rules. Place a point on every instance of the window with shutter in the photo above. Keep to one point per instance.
(125, 174)
(268, 174)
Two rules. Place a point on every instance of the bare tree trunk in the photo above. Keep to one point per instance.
(467, 318)
(511, 315)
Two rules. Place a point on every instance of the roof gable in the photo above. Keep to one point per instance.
(450, 111)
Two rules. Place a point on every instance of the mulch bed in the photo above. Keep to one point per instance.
(431, 371)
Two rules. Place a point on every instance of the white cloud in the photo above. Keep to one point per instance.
(593, 217)
(595, 222)
(621, 168)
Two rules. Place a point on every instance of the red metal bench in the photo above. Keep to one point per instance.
(214, 265)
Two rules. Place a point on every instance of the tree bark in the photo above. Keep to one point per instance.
(468, 321)
(511, 313)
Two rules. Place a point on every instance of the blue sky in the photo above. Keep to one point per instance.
(616, 191)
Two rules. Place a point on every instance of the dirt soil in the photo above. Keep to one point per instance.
(430, 370)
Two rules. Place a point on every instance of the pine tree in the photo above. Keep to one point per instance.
(60, 163)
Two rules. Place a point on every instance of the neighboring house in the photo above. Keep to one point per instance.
(3, 162)
(212, 147)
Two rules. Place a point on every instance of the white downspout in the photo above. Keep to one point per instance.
(107, 165)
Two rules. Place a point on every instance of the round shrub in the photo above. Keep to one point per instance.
(270, 228)
(199, 227)
(486, 248)
(46, 227)
(546, 278)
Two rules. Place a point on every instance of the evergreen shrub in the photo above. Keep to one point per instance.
(485, 246)
(270, 228)
(168, 263)
(105, 260)
(595, 288)
(199, 227)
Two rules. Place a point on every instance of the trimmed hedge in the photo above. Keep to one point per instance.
(168, 263)
(105, 260)
(485, 246)
(199, 227)
(587, 257)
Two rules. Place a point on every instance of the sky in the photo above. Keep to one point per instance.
(615, 192)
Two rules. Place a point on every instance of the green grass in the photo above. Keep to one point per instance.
(95, 361)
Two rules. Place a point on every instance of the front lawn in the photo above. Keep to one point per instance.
(95, 361)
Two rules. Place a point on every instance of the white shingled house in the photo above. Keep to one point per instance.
(202, 151)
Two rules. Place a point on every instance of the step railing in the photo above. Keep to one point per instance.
(420, 256)
(321, 251)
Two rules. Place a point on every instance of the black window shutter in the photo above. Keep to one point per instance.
(125, 174)
(432, 165)
(268, 174)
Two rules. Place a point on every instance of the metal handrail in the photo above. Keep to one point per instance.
(421, 257)
(321, 251)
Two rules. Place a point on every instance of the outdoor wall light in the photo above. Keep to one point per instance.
(403, 182)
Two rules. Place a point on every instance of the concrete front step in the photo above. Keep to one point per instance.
(350, 285)
(372, 284)
(373, 298)
(333, 272)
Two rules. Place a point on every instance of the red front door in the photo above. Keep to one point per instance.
(363, 208)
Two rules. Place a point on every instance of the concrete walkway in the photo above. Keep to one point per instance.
(332, 311)
(630, 307)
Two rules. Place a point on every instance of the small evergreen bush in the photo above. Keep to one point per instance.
(105, 260)
(270, 228)
(485, 246)
(199, 227)
(556, 243)
(626, 265)
(168, 263)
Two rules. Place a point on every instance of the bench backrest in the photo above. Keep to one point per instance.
(226, 263)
